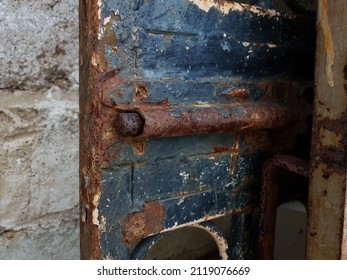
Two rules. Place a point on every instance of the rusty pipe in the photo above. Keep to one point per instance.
(157, 122)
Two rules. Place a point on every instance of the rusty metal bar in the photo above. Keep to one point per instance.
(327, 223)
(269, 199)
(156, 122)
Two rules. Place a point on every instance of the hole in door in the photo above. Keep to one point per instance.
(201, 241)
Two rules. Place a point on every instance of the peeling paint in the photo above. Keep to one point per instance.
(330, 138)
(96, 200)
(95, 213)
(127, 78)
(194, 222)
(99, 8)
(220, 241)
(95, 216)
(225, 7)
(185, 176)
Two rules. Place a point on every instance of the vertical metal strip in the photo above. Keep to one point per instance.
(90, 113)
(326, 206)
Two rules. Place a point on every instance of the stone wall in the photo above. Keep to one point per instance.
(39, 129)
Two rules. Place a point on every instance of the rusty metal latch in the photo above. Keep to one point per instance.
(157, 122)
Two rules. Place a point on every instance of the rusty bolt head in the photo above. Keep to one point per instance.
(129, 124)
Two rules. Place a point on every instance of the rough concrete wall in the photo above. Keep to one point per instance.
(39, 129)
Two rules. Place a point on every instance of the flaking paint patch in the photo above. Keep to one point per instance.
(225, 7)
(95, 213)
(330, 138)
(180, 201)
(192, 223)
(95, 216)
(185, 176)
(107, 20)
(251, 45)
(99, 9)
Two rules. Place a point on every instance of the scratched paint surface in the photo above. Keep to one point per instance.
(178, 53)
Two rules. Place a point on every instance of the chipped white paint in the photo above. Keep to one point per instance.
(96, 199)
(95, 213)
(225, 7)
(208, 218)
(107, 20)
(218, 239)
(181, 200)
(95, 216)
(99, 9)
(251, 45)
(184, 175)
(202, 104)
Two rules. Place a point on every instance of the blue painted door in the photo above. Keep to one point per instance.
(181, 103)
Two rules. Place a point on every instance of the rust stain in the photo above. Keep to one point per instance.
(99, 60)
(139, 148)
(238, 93)
(140, 93)
(330, 145)
(234, 154)
(10, 235)
(97, 117)
(220, 149)
(139, 225)
(109, 79)
(109, 38)
(323, 20)
(90, 108)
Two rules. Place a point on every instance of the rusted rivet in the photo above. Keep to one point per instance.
(129, 124)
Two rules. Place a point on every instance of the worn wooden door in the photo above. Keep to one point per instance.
(181, 102)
